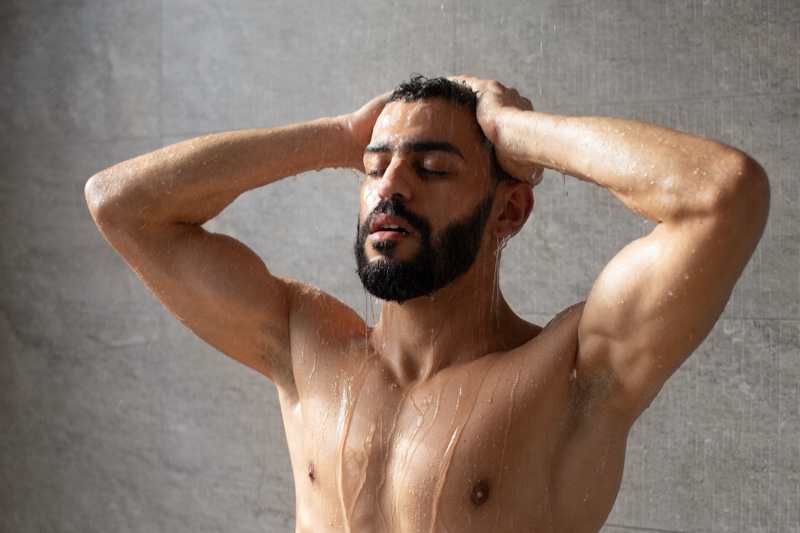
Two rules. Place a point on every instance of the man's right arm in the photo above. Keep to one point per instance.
(152, 208)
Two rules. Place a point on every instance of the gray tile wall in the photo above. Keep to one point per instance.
(114, 418)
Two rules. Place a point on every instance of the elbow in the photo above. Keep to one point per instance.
(742, 191)
(100, 199)
(93, 193)
(751, 187)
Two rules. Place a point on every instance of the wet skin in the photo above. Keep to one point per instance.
(473, 421)
(498, 443)
(451, 413)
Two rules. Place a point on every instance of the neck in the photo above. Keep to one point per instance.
(464, 321)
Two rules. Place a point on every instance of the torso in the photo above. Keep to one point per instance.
(501, 443)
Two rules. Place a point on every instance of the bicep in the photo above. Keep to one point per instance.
(217, 287)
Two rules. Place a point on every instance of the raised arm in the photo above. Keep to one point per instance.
(656, 301)
(151, 209)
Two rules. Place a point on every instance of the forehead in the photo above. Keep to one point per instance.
(431, 119)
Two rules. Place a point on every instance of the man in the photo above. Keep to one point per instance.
(451, 413)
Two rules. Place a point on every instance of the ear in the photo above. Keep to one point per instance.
(516, 204)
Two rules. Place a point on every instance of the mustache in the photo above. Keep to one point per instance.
(390, 206)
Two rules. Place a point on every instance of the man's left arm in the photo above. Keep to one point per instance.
(656, 301)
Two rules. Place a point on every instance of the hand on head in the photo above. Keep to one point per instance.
(495, 103)
(359, 125)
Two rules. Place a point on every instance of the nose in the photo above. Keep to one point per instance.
(396, 181)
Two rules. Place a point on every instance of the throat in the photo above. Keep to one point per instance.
(423, 336)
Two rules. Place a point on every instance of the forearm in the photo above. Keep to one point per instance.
(660, 173)
(192, 181)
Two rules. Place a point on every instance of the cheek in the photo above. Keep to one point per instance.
(369, 196)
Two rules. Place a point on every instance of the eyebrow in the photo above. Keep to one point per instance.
(415, 147)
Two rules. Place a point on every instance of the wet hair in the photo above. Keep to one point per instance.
(418, 87)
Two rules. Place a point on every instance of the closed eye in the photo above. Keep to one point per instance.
(428, 168)
(431, 172)
(435, 172)
(436, 164)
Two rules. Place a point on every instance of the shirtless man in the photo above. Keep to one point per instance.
(452, 413)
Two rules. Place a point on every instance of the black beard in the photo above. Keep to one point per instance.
(434, 266)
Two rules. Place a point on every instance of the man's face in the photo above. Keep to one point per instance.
(425, 200)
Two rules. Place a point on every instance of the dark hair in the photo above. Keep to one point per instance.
(418, 87)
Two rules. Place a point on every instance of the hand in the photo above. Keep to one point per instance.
(495, 102)
(359, 125)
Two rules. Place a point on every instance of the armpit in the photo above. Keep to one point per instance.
(591, 394)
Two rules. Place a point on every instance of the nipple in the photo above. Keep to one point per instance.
(480, 492)
(312, 475)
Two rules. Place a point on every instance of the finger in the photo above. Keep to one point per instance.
(470, 81)
(463, 78)
(376, 105)
(380, 98)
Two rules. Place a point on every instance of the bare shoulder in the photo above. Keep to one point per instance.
(593, 390)
(314, 310)
(581, 398)
(544, 364)
(324, 332)
(554, 346)
(553, 352)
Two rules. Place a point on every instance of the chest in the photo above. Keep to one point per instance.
(454, 447)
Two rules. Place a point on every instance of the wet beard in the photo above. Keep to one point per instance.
(435, 265)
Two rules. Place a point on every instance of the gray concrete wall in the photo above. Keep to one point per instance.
(114, 418)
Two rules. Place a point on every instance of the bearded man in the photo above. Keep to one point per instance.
(452, 413)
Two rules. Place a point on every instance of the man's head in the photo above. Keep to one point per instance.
(434, 193)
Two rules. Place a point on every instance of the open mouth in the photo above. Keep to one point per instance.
(393, 227)
(389, 226)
